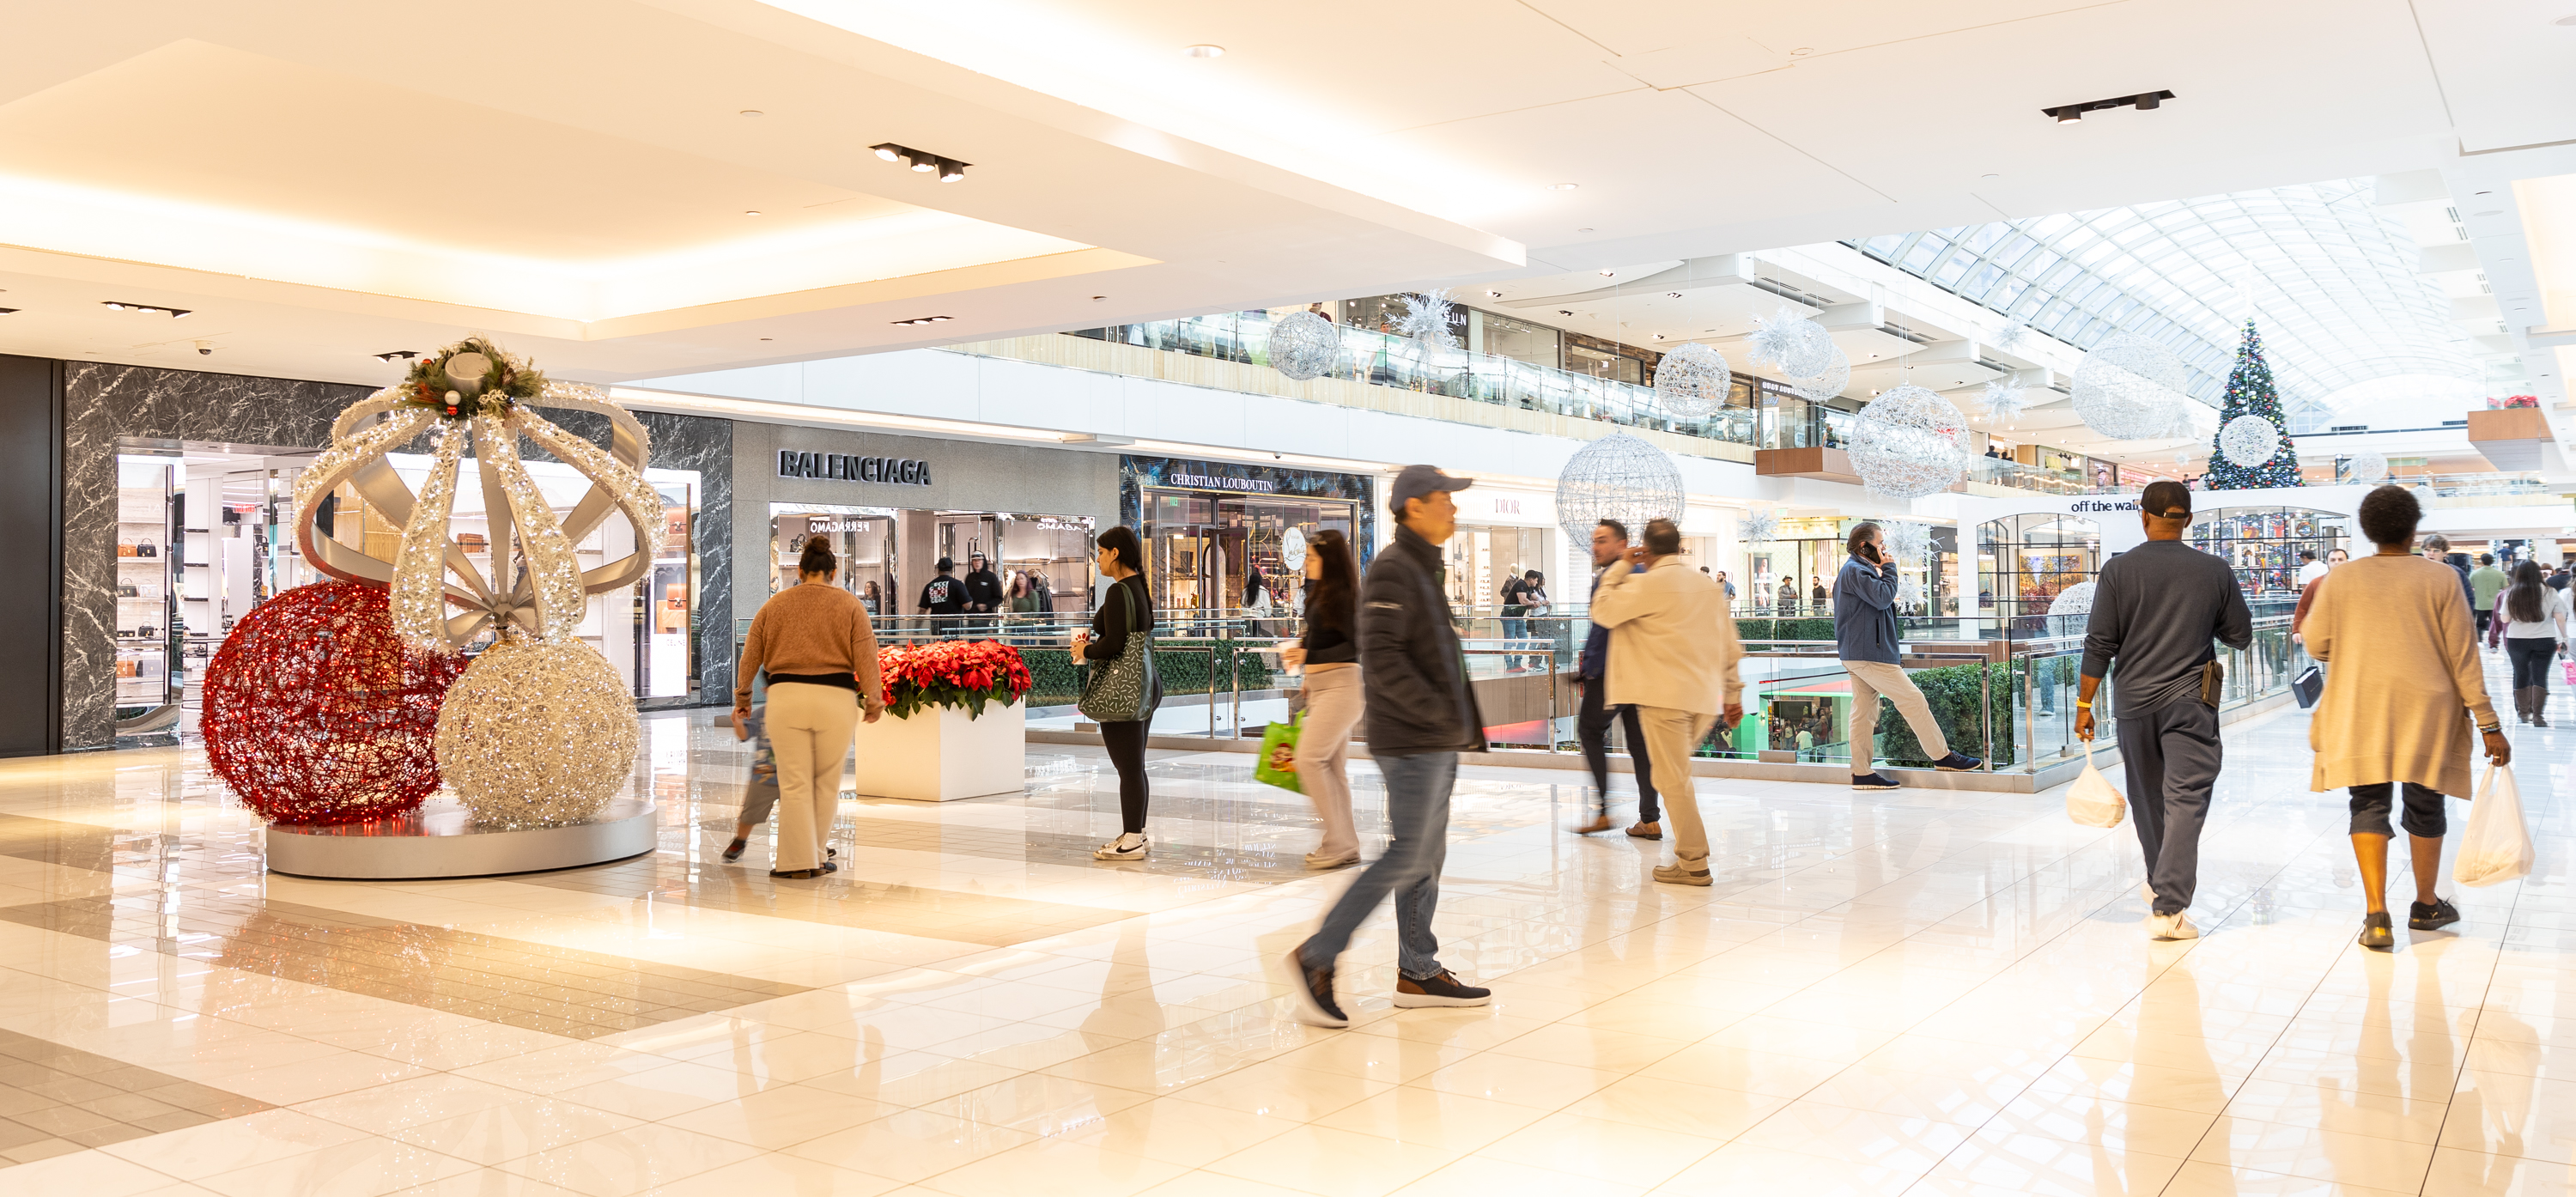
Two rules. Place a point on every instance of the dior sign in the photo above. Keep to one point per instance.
(898, 471)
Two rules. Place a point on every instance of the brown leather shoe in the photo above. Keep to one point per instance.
(1601, 823)
(1647, 831)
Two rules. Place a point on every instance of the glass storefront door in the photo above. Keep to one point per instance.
(1204, 544)
(863, 538)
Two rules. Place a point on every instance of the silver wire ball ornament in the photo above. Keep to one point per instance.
(2367, 466)
(1833, 380)
(2129, 388)
(1692, 382)
(1759, 526)
(1792, 343)
(1305, 345)
(1621, 478)
(1909, 443)
(2249, 440)
(2071, 610)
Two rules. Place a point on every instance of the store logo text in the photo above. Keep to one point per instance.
(840, 466)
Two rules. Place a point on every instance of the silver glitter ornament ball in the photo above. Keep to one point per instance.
(2249, 440)
(1792, 343)
(1909, 443)
(2129, 388)
(1621, 478)
(537, 735)
(2368, 466)
(1825, 384)
(1305, 345)
(2071, 610)
(1692, 382)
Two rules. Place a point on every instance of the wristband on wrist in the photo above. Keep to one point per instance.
(2086, 705)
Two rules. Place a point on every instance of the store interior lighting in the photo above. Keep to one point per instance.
(148, 309)
(949, 170)
(799, 413)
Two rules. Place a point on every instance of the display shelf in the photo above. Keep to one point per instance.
(2262, 547)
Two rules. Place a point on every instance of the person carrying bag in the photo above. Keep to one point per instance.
(1120, 685)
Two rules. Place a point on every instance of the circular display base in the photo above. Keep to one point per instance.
(441, 840)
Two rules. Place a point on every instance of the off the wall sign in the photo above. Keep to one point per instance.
(896, 471)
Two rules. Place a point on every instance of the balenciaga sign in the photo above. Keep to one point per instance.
(897, 471)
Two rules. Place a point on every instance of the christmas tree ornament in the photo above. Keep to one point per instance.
(1791, 343)
(2250, 392)
(1426, 319)
(1304, 345)
(1760, 525)
(316, 713)
(537, 734)
(1909, 442)
(2249, 441)
(2369, 466)
(2129, 388)
(1618, 477)
(1692, 382)
(2004, 402)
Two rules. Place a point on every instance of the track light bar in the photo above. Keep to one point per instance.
(148, 309)
(399, 355)
(949, 170)
(923, 320)
(2067, 114)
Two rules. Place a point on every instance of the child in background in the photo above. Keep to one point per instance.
(761, 792)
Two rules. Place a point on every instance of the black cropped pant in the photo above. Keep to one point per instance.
(1125, 741)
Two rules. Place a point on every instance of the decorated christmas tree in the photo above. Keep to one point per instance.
(2250, 393)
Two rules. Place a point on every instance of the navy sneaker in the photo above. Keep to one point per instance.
(1873, 781)
(1955, 763)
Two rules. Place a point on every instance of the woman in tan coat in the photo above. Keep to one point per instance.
(2398, 704)
(814, 639)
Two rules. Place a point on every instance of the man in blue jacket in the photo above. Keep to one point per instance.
(1592, 723)
(1865, 639)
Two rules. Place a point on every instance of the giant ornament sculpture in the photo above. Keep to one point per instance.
(1909, 541)
(2249, 440)
(1909, 442)
(2368, 466)
(1305, 345)
(1426, 319)
(1760, 525)
(1617, 477)
(1791, 343)
(2071, 610)
(2004, 402)
(2130, 388)
(1692, 382)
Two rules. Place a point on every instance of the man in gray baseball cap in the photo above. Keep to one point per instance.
(1421, 482)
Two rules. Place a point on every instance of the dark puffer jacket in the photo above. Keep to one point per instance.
(1411, 666)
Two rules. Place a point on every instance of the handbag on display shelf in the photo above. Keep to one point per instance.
(124, 548)
(127, 590)
(143, 548)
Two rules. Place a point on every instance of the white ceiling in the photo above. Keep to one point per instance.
(572, 176)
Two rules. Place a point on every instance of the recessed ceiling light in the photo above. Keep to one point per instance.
(1802, 51)
(1583, 230)
(764, 338)
(148, 309)
(1204, 51)
(1606, 274)
(748, 112)
(751, 211)
(1990, 177)
(2492, 212)
(2486, 193)
(8, 311)
(2564, 21)
(1098, 298)
(1493, 295)
(888, 151)
(1563, 186)
(923, 320)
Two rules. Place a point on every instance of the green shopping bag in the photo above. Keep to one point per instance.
(1278, 764)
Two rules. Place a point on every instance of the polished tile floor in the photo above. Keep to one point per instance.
(1926, 992)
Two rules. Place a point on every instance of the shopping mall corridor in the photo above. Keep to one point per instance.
(1922, 992)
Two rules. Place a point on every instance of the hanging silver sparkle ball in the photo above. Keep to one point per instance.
(2129, 388)
(2071, 610)
(1618, 477)
(2367, 466)
(1304, 345)
(1909, 443)
(1792, 343)
(2004, 402)
(1833, 380)
(1909, 541)
(2249, 440)
(1759, 526)
(1692, 382)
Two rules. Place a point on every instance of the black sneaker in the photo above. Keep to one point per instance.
(733, 851)
(1955, 763)
(1873, 781)
(2439, 914)
(2375, 932)
(1442, 990)
(1313, 990)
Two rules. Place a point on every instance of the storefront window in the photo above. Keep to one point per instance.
(1518, 340)
(2262, 544)
(2025, 561)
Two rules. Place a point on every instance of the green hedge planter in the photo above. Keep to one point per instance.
(1055, 681)
(1952, 691)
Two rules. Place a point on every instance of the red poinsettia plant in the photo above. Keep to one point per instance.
(951, 673)
(2512, 401)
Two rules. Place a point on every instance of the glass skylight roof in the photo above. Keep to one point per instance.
(2336, 293)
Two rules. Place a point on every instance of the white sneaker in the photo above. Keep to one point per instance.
(1131, 846)
(2171, 926)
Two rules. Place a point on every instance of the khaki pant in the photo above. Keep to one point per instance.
(1334, 703)
(1671, 737)
(809, 735)
(1870, 679)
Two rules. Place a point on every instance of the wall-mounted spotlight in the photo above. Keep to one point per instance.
(399, 355)
(8, 311)
(923, 320)
(949, 170)
(148, 309)
(2068, 114)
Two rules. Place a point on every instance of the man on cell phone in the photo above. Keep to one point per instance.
(1673, 655)
(1865, 638)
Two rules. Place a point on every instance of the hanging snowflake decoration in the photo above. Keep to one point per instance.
(1621, 478)
(1760, 526)
(1909, 591)
(1793, 344)
(2249, 440)
(2129, 388)
(1909, 443)
(2011, 335)
(1692, 382)
(1426, 319)
(2004, 402)
(1305, 345)
(2370, 466)
(2071, 610)
(1908, 541)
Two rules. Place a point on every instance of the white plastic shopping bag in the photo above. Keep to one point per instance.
(2496, 846)
(2091, 801)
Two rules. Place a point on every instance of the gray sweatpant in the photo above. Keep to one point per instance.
(2172, 755)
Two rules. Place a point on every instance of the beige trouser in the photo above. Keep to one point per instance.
(1334, 703)
(809, 735)
(1672, 735)
(1870, 679)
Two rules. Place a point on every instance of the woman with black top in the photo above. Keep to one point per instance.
(1330, 654)
(1122, 557)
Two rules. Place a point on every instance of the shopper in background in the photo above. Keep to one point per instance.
(1534, 603)
(983, 592)
(943, 598)
(1515, 609)
(873, 598)
(2311, 569)
(2535, 632)
(760, 793)
(2558, 577)
(1788, 597)
(1865, 638)
(2437, 547)
(1821, 597)
(1672, 661)
(814, 640)
(1592, 719)
(1329, 653)
(2485, 583)
(1127, 610)
(1421, 715)
(2405, 668)
(1729, 587)
(2155, 610)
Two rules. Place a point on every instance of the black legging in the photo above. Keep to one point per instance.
(1125, 740)
(2530, 656)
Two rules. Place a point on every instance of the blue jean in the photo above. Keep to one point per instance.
(1417, 804)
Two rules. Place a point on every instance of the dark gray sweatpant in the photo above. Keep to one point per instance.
(2172, 755)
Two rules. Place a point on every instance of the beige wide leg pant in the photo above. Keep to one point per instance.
(1334, 704)
(1870, 680)
(809, 734)
(1673, 735)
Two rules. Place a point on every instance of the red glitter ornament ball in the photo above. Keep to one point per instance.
(315, 712)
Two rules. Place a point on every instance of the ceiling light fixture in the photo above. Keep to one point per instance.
(924, 320)
(2564, 21)
(2068, 114)
(1563, 186)
(1563, 312)
(1583, 230)
(8, 311)
(751, 211)
(399, 355)
(1493, 295)
(748, 112)
(922, 161)
(1203, 51)
(148, 309)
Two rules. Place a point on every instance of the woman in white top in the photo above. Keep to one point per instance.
(2537, 632)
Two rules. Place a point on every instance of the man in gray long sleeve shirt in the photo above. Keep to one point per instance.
(2156, 609)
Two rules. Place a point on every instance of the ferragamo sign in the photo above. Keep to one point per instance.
(896, 471)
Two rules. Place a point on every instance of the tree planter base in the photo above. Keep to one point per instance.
(940, 755)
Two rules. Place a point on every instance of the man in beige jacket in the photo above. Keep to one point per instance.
(1673, 655)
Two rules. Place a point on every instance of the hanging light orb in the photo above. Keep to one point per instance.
(1692, 382)
(1792, 343)
(1618, 477)
(2004, 402)
(1426, 319)
(2071, 610)
(1833, 380)
(1305, 345)
(2369, 466)
(2249, 440)
(1909, 443)
(2129, 388)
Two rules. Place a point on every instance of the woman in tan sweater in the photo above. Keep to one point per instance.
(814, 639)
(2398, 704)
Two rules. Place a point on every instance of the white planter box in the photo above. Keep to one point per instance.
(940, 755)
